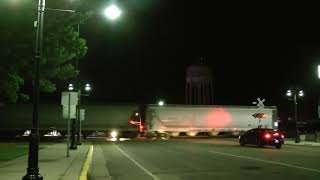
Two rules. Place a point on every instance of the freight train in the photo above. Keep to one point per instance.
(132, 119)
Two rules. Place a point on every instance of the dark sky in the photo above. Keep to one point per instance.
(254, 48)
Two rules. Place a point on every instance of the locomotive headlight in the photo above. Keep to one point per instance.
(114, 134)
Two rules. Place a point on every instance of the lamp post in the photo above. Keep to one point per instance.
(87, 89)
(33, 168)
(112, 12)
(295, 93)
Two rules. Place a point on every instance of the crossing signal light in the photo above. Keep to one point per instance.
(260, 115)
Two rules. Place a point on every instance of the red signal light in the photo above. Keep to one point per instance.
(260, 115)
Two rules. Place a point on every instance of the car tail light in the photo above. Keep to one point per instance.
(131, 122)
(267, 136)
(278, 134)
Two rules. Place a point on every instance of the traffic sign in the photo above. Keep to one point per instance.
(65, 98)
(65, 112)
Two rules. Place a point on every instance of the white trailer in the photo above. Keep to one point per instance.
(193, 119)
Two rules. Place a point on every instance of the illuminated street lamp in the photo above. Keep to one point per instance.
(70, 87)
(87, 87)
(112, 12)
(295, 93)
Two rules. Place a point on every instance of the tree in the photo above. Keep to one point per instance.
(62, 45)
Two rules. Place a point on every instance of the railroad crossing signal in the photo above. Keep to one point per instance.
(260, 103)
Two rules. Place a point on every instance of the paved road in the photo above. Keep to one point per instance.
(219, 159)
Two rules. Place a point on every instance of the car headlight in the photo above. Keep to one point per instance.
(114, 134)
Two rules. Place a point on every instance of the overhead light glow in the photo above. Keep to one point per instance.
(112, 12)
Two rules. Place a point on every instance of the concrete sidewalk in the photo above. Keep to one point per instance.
(53, 163)
(302, 143)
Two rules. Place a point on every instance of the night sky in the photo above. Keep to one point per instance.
(254, 48)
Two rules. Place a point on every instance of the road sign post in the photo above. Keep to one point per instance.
(69, 101)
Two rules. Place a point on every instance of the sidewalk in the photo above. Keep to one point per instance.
(302, 143)
(53, 163)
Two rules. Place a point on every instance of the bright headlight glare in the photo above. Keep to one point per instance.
(114, 134)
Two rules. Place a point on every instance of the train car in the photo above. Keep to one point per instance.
(103, 118)
(212, 120)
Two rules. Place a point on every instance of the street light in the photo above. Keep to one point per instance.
(70, 87)
(87, 87)
(295, 93)
(112, 12)
(33, 155)
(33, 168)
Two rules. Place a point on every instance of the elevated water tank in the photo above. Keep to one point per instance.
(199, 85)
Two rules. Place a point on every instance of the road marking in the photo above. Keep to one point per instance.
(261, 160)
(86, 165)
(139, 165)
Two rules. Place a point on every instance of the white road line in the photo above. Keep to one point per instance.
(139, 165)
(261, 160)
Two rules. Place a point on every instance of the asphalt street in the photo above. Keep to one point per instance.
(218, 159)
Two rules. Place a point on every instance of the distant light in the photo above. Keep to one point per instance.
(289, 93)
(137, 114)
(276, 124)
(70, 88)
(112, 12)
(87, 87)
(114, 134)
(161, 103)
(301, 93)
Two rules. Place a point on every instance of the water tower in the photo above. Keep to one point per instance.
(199, 87)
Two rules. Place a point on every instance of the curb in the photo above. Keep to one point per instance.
(303, 144)
(86, 165)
